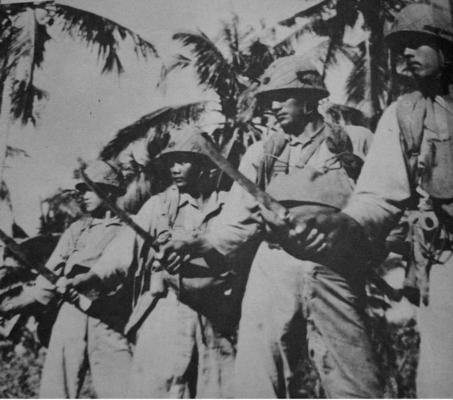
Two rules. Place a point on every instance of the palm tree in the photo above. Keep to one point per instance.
(23, 37)
(149, 133)
(230, 65)
(370, 76)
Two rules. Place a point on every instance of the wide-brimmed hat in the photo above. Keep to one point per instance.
(421, 21)
(292, 74)
(185, 141)
(104, 174)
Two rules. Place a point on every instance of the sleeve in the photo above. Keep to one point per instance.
(63, 249)
(239, 220)
(383, 188)
(43, 291)
(119, 256)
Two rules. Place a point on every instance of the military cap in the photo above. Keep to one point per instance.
(185, 141)
(104, 174)
(421, 21)
(292, 73)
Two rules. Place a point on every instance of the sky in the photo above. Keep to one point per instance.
(84, 109)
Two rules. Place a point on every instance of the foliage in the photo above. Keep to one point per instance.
(152, 126)
(23, 38)
(370, 77)
(21, 368)
(231, 65)
(59, 211)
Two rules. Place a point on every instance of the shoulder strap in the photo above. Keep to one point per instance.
(273, 147)
(411, 113)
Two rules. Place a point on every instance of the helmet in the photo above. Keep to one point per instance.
(104, 174)
(184, 141)
(421, 21)
(292, 73)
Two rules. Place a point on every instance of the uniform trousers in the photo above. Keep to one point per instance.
(179, 354)
(292, 307)
(435, 321)
(79, 342)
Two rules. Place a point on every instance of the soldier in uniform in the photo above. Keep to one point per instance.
(183, 323)
(410, 167)
(309, 165)
(77, 341)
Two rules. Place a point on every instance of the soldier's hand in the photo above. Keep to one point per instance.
(304, 240)
(174, 254)
(65, 287)
(299, 236)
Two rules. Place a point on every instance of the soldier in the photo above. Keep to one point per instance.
(309, 165)
(78, 341)
(184, 323)
(410, 166)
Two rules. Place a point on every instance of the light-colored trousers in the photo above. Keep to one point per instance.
(178, 354)
(79, 342)
(292, 305)
(435, 369)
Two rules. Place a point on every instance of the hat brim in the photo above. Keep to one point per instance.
(82, 186)
(397, 40)
(309, 92)
(166, 157)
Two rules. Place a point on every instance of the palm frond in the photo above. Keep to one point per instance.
(318, 25)
(179, 62)
(101, 33)
(357, 81)
(358, 84)
(259, 57)
(26, 53)
(212, 69)
(5, 194)
(23, 99)
(313, 11)
(230, 33)
(15, 152)
(160, 118)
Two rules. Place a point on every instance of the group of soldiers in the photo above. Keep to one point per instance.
(217, 294)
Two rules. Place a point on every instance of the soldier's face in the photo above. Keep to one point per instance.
(291, 112)
(184, 172)
(423, 60)
(91, 201)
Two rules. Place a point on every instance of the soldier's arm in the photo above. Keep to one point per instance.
(383, 188)
(238, 222)
(119, 255)
(43, 291)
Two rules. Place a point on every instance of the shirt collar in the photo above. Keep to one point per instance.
(304, 139)
(108, 220)
(214, 203)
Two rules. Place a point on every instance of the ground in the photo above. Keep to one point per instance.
(397, 347)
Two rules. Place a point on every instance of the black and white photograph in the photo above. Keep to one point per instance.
(226, 199)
